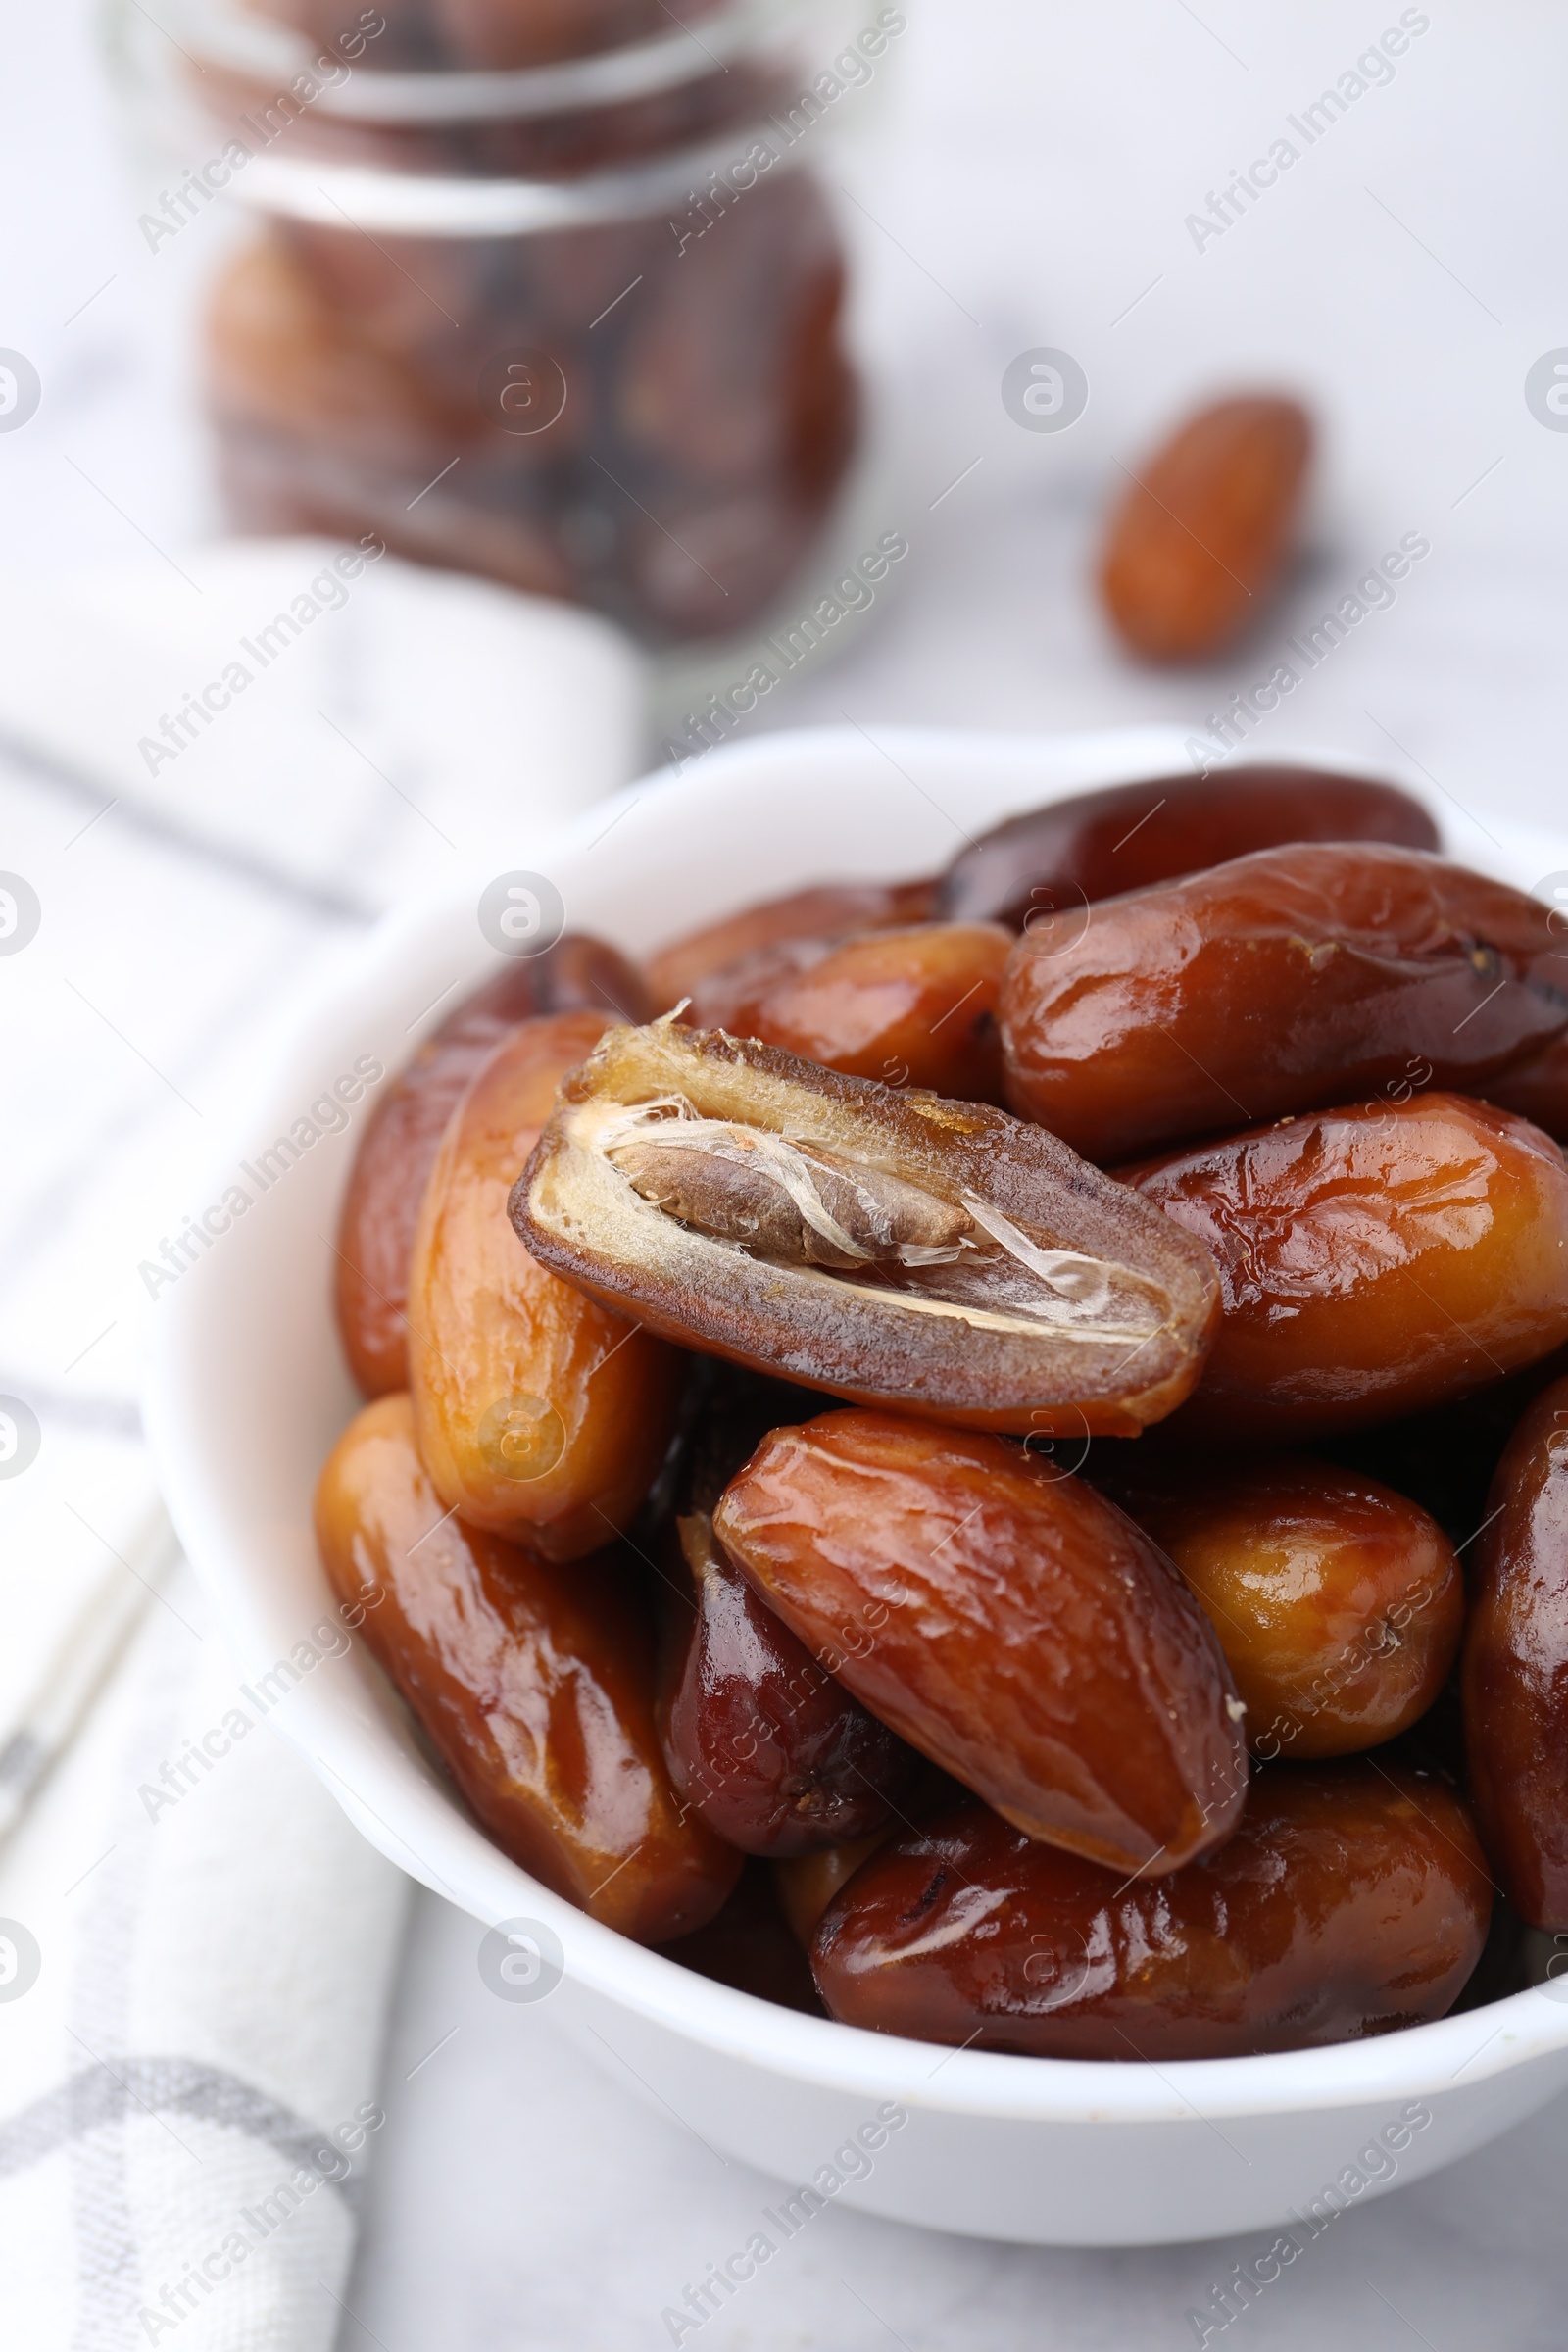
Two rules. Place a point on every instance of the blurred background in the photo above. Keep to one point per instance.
(1002, 182)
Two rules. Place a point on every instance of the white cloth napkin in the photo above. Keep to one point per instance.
(195, 1947)
(195, 1956)
(345, 722)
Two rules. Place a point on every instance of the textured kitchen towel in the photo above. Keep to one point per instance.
(195, 1947)
(351, 723)
(195, 1957)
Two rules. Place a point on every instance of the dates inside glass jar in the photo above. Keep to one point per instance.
(667, 455)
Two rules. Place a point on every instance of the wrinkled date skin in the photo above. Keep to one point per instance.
(1338, 1603)
(1042, 870)
(398, 1149)
(774, 1754)
(1515, 1677)
(540, 1413)
(1198, 539)
(1349, 1902)
(1012, 1624)
(1276, 983)
(885, 1245)
(831, 910)
(534, 1681)
(1375, 1260)
(913, 1008)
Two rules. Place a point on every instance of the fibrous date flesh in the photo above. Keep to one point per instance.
(877, 1244)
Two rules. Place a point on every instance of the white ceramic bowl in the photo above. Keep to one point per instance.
(248, 1390)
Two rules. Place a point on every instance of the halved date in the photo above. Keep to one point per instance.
(1515, 1677)
(541, 1414)
(828, 911)
(398, 1149)
(1039, 871)
(1338, 1602)
(1010, 1623)
(1350, 1901)
(1375, 1260)
(915, 1006)
(774, 1754)
(535, 1682)
(885, 1245)
(1275, 984)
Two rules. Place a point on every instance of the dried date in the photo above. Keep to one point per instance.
(1338, 1602)
(1375, 1261)
(398, 1149)
(1350, 1901)
(885, 1245)
(1039, 870)
(1201, 533)
(916, 1007)
(541, 1414)
(1013, 1624)
(1515, 1677)
(1277, 983)
(534, 1681)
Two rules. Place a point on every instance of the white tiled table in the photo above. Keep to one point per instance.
(1027, 183)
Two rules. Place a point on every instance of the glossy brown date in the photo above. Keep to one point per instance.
(1350, 1901)
(1375, 1260)
(398, 1149)
(885, 1245)
(1515, 1676)
(774, 1754)
(831, 910)
(1537, 1090)
(913, 1008)
(1203, 528)
(1041, 871)
(534, 1681)
(1275, 984)
(809, 1883)
(1010, 1623)
(541, 1414)
(1338, 1602)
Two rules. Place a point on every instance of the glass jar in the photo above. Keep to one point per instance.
(550, 290)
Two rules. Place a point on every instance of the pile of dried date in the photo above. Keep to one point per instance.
(748, 1468)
